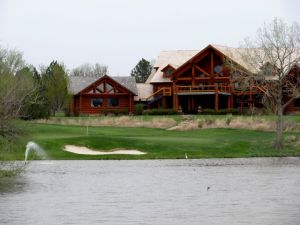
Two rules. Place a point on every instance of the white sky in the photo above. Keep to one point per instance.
(119, 33)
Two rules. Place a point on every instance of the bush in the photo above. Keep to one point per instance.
(115, 112)
(228, 111)
(35, 111)
(220, 112)
(160, 112)
(208, 112)
(8, 166)
(138, 109)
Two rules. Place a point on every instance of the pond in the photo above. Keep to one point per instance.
(205, 191)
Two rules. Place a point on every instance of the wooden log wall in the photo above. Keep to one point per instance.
(125, 103)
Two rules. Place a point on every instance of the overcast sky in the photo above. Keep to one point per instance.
(119, 33)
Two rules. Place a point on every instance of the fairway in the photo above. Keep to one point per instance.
(157, 143)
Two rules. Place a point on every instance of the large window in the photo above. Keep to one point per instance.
(96, 102)
(297, 102)
(113, 102)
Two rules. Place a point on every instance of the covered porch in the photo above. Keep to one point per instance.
(193, 99)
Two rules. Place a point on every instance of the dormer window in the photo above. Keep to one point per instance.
(168, 71)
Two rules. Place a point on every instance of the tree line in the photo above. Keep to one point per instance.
(28, 93)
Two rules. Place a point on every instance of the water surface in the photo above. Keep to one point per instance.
(225, 191)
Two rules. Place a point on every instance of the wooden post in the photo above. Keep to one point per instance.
(164, 103)
(193, 103)
(175, 102)
(175, 97)
(130, 104)
(193, 76)
(80, 102)
(189, 103)
(216, 98)
(228, 102)
(212, 63)
(241, 106)
(216, 101)
(231, 101)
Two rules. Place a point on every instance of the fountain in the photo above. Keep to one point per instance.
(32, 146)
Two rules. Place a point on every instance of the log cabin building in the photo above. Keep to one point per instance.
(186, 81)
(190, 81)
(100, 95)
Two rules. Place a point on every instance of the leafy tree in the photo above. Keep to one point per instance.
(88, 70)
(55, 81)
(274, 53)
(36, 105)
(141, 71)
(16, 87)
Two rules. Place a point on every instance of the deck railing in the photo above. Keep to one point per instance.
(220, 88)
(251, 90)
(204, 88)
(164, 91)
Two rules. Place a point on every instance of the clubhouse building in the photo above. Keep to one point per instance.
(187, 81)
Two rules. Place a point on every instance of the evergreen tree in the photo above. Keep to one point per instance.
(141, 71)
(55, 81)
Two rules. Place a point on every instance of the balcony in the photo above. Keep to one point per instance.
(204, 89)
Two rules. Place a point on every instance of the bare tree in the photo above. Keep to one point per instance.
(11, 61)
(15, 89)
(88, 70)
(271, 57)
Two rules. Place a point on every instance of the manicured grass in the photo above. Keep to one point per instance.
(157, 143)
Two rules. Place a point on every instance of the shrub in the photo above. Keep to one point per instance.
(160, 112)
(139, 108)
(35, 111)
(9, 167)
(220, 112)
(233, 111)
(208, 112)
(115, 112)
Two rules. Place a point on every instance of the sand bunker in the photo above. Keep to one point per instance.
(86, 151)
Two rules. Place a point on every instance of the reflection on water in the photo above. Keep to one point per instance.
(241, 191)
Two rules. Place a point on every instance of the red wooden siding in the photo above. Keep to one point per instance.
(292, 108)
(86, 106)
(103, 88)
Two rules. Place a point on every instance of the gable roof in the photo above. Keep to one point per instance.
(167, 66)
(178, 58)
(172, 58)
(144, 91)
(127, 82)
(238, 56)
(234, 54)
(78, 83)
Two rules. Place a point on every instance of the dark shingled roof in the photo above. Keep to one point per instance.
(77, 84)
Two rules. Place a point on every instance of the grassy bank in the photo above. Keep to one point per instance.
(263, 123)
(158, 143)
